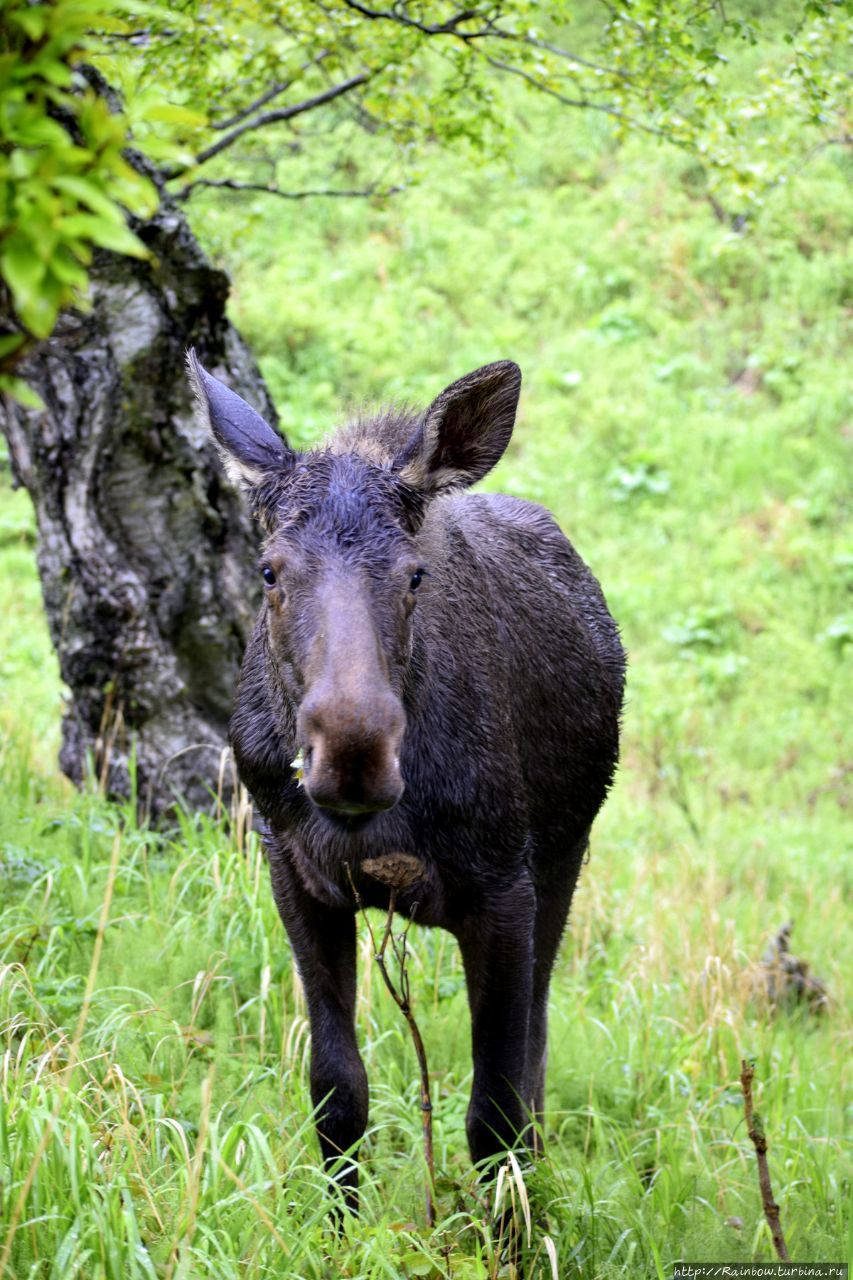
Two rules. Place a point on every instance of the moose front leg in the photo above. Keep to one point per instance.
(552, 909)
(323, 942)
(497, 951)
(553, 898)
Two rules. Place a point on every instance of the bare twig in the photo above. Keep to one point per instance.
(400, 996)
(755, 1128)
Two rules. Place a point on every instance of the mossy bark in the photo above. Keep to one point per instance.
(145, 550)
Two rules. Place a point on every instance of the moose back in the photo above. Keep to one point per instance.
(433, 672)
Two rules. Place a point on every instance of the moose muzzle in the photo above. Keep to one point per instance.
(351, 722)
(352, 751)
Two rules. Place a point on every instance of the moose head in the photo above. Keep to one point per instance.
(343, 565)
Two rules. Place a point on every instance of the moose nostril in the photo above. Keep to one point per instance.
(356, 775)
(356, 793)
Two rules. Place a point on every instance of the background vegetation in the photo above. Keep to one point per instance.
(686, 415)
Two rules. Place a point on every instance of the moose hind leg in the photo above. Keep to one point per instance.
(323, 942)
(497, 951)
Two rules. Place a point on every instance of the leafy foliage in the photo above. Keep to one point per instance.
(436, 71)
(65, 182)
(299, 97)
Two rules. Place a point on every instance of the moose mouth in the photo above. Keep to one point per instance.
(351, 815)
(347, 823)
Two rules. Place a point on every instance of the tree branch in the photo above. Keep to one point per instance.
(586, 103)
(141, 36)
(844, 140)
(275, 117)
(489, 30)
(269, 189)
(267, 96)
(451, 27)
(567, 54)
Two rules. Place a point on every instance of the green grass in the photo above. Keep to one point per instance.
(181, 1138)
(686, 414)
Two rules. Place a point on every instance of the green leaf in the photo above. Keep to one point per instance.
(34, 132)
(10, 342)
(23, 270)
(108, 235)
(31, 21)
(18, 390)
(56, 73)
(68, 271)
(168, 113)
(91, 195)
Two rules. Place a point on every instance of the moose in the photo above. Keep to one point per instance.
(433, 672)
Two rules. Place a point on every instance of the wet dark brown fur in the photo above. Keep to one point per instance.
(447, 666)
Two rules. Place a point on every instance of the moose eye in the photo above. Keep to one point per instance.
(416, 579)
(268, 576)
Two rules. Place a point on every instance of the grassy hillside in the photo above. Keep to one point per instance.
(686, 414)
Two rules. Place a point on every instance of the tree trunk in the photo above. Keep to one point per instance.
(145, 550)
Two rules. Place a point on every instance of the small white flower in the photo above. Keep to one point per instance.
(297, 764)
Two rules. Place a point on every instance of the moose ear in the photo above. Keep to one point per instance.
(250, 448)
(464, 431)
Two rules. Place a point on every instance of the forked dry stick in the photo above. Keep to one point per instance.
(755, 1128)
(400, 871)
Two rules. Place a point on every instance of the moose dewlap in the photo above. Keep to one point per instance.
(433, 676)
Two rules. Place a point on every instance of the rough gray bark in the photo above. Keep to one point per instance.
(146, 552)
